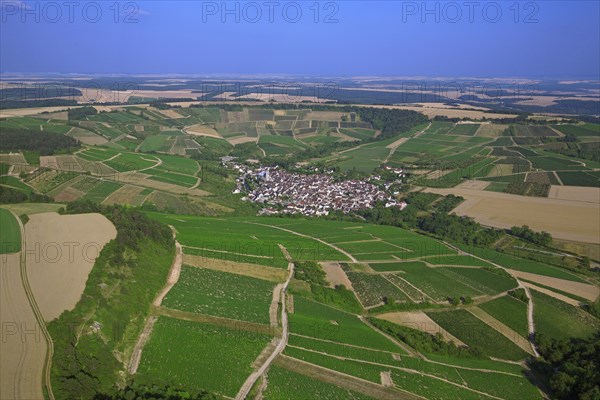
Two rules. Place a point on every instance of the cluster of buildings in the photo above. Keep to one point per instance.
(283, 192)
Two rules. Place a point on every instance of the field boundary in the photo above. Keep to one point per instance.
(36, 311)
(342, 380)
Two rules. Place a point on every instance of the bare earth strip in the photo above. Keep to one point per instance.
(253, 270)
(498, 326)
(61, 251)
(275, 304)
(550, 293)
(564, 219)
(23, 347)
(587, 291)
(420, 321)
(336, 275)
(173, 275)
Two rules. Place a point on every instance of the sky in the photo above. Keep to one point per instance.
(548, 38)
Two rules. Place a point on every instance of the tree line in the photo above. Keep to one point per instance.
(46, 143)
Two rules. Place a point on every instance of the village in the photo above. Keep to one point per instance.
(313, 194)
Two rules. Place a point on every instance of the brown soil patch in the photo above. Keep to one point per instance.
(275, 304)
(324, 115)
(23, 357)
(169, 113)
(256, 271)
(386, 379)
(420, 321)
(575, 193)
(564, 219)
(585, 290)
(336, 275)
(62, 250)
(67, 195)
(202, 130)
(242, 139)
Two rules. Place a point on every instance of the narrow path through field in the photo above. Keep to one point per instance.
(245, 389)
(350, 256)
(172, 279)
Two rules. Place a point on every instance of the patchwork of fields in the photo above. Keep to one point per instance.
(331, 351)
(317, 308)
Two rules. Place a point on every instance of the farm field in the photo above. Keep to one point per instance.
(556, 319)
(22, 361)
(58, 278)
(10, 233)
(287, 385)
(320, 321)
(203, 346)
(221, 294)
(510, 311)
(475, 333)
(406, 296)
(564, 219)
(373, 290)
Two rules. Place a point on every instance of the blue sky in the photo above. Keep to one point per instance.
(391, 38)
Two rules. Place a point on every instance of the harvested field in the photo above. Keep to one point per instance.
(336, 275)
(452, 113)
(575, 193)
(587, 291)
(22, 361)
(564, 219)
(62, 250)
(253, 270)
(420, 321)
